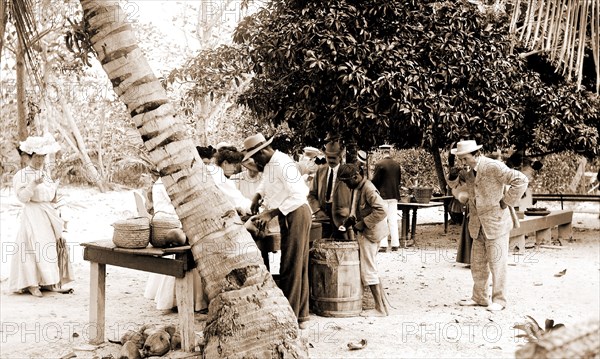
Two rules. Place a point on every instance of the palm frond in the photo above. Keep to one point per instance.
(21, 14)
(563, 29)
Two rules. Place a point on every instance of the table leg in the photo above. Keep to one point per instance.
(184, 293)
(414, 224)
(404, 225)
(446, 208)
(97, 302)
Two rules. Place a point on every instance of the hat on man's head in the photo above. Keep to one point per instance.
(310, 152)
(333, 148)
(40, 145)
(464, 147)
(361, 156)
(347, 171)
(254, 144)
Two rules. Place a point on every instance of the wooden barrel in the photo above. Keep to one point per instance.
(336, 289)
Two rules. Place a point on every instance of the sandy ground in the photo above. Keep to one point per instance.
(423, 283)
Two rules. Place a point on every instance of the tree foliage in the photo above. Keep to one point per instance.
(413, 73)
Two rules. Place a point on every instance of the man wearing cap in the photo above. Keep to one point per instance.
(493, 190)
(367, 216)
(285, 191)
(386, 178)
(329, 198)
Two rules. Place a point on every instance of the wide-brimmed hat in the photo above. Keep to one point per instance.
(361, 156)
(254, 144)
(333, 148)
(464, 147)
(310, 152)
(41, 145)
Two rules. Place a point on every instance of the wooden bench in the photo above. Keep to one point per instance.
(562, 197)
(151, 260)
(542, 227)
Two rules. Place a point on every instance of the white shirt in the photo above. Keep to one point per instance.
(282, 184)
(246, 184)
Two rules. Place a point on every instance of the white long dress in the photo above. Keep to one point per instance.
(36, 261)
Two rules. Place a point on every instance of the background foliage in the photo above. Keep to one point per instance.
(413, 73)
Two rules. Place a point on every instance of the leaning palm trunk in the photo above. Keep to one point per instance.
(248, 314)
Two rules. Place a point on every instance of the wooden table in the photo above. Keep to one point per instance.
(149, 259)
(446, 200)
(406, 226)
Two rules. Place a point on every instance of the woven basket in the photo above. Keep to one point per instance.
(160, 226)
(132, 233)
(422, 194)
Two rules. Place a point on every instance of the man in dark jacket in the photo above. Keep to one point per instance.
(329, 198)
(386, 179)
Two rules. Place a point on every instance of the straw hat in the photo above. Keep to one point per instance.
(464, 147)
(254, 144)
(361, 156)
(310, 152)
(40, 145)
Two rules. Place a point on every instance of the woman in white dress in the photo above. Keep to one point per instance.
(41, 260)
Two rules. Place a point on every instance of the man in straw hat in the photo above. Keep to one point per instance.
(285, 191)
(367, 216)
(329, 198)
(493, 190)
(386, 177)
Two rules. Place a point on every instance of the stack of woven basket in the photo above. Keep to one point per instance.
(132, 232)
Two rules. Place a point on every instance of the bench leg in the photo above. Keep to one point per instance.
(517, 241)
(543, 236)
(565, 231)
(184, 292)
(97, 302)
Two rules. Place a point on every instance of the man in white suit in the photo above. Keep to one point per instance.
(493, 190)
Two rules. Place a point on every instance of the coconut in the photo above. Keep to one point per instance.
(157, 344)
(129, 350)
(136, 337)
(174, 238)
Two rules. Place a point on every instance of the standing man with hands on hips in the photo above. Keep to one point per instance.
(493, 190)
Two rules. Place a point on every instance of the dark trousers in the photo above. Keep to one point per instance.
(293, 271)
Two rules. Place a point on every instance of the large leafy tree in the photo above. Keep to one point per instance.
(415, 73)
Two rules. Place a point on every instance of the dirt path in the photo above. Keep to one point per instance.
(423, 284)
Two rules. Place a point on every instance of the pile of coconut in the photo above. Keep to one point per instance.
(150, 340)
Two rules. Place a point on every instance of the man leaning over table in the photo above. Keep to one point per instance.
(493, 190)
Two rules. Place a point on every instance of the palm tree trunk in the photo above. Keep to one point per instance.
(22, 130)
(248, 314)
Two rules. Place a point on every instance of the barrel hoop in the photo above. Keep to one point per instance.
(336, 300)
(345, 263)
